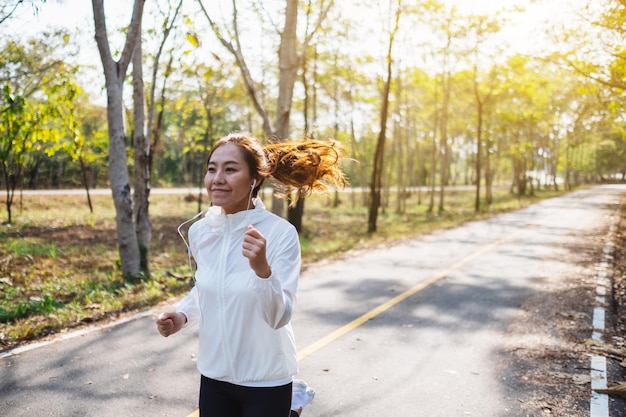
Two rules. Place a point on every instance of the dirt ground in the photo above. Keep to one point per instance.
(555, 368)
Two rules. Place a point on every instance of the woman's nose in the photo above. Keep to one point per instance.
(218, 176)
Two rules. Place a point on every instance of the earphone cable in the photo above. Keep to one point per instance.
(180, 233)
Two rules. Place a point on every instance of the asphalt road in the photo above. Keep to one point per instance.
(421, 328)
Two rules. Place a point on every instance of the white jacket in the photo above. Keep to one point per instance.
(245, 332)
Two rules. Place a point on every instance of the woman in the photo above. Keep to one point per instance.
(248, 266)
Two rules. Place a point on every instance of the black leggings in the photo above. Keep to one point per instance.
(221, 399)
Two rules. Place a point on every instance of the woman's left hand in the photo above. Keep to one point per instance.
(254, 250)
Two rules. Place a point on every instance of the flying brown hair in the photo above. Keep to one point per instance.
(308, 165)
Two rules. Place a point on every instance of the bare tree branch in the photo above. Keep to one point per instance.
(7, 14)
(611, 83)
(268, 15)
(320, 19)
(134, 31)
(243, 66)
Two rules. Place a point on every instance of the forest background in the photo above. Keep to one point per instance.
(507, 100)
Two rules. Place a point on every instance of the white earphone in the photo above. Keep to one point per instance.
(253, 184)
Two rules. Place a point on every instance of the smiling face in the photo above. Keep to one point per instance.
(228, 179)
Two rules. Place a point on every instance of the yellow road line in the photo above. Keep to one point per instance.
(331, 337)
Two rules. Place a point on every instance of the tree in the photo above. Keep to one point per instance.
(483, 87)
(597, 53)
(62, 105)
(155, 121)
(596, 50)
(13, 144)
(452, 30)
(377, 171)
(29, 76)
(448, 30)
(143, 124)
(114, 74)
(141, 148)
(289, 62)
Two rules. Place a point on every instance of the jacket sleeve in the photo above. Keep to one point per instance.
(190, 306)
(277, 294)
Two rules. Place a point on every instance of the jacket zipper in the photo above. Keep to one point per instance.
(223, 263)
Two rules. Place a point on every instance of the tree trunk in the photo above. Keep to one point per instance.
(10, 184)
(479, 148)
(295, 213)
(141, 144)
(83, 170)
(288, 63)
(433, 156)
(378, 169)
(114, 73)
(400, 153)
(288, 70)
(568, 162)
(489, 174)
(445, 152)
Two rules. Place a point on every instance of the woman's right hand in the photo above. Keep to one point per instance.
(171, 322)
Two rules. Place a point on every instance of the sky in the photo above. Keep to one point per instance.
(78, 14)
